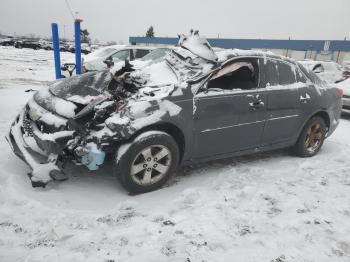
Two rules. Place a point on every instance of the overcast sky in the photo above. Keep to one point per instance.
(117, 20)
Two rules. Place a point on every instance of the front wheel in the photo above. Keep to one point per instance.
(311, 138)
(147, 162)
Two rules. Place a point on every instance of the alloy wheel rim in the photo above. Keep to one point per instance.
(313, 137)
(150, 165)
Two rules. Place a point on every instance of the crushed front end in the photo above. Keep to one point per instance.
(56, 127)
(40, 151)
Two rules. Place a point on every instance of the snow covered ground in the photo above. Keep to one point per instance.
(265, 207)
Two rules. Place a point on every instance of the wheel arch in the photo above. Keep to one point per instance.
(169, 128)
(320, 113)
(324, 115)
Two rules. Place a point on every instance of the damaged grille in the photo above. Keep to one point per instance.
(45, 128)
(27, 125)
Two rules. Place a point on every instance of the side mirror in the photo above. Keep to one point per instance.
(64, 68)
(109, 62)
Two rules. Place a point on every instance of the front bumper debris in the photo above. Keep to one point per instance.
(40, 155)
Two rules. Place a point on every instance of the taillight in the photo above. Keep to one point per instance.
(340, 92)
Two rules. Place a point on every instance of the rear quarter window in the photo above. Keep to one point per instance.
(287, 74)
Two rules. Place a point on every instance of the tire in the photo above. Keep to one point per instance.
(311, 138)
(134, 161)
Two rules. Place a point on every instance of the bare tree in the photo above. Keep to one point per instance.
(150, 32)
(111, 43)
(84, 36)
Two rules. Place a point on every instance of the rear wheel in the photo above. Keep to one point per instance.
(311, 138)
(148, 162)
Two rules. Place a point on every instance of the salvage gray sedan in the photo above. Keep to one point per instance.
(194, 105)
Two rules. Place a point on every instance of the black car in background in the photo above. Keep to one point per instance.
(28, 44)
(194, 105)
(8, 41)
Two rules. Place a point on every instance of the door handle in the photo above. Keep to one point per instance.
(305, 99)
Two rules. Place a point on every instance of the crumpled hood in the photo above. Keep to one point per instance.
(82, 89)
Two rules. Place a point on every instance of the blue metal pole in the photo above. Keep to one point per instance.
(77, 46)
(56, 49)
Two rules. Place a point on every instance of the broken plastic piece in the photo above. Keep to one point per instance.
(58, 175)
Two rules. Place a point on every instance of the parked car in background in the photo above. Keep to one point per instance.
(194, 105)
(46, 45)
(346, 69)
(97, 60)
(8, 41)
(329, 71)
(65, 46)
(153, 56)
(84, 47)
(345, 85)
(28, 44)
(156, 54)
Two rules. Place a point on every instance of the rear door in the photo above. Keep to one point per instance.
(284, 115)
(230, 115)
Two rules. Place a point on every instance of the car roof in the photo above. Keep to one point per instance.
(225, 55)
(121, 47)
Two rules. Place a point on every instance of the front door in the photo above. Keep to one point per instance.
(229, 114)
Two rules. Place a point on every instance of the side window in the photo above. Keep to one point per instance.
(139, 53)
(120, 55)
(287, 74)
(241, 74)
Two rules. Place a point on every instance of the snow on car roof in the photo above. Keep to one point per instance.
(198, 46)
